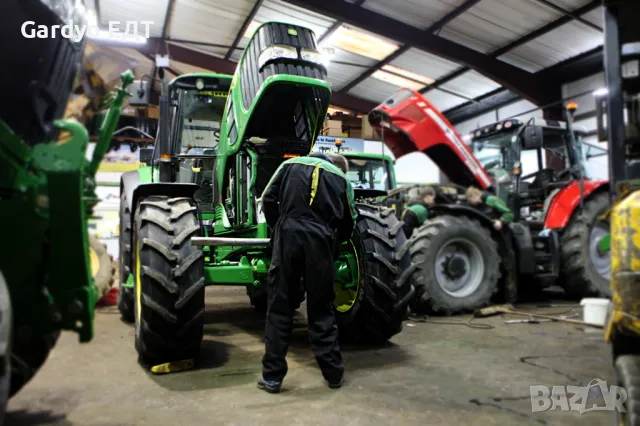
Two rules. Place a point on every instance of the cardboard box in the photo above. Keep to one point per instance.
(153, 112)
(368, 132)
(355, 133)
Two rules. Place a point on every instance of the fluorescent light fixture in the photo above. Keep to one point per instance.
(327, 54)
(361, 43)
(396, 80)
(408, 74)
(603, 91)
(253, 26)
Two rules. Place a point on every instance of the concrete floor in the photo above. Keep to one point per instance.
(430, 374)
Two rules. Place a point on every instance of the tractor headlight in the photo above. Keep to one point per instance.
(277, 51)
(311, 55)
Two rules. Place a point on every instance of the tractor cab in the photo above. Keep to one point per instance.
(500, 146)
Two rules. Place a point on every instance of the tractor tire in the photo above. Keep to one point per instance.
(379, 306)
(125, 295)
(6, 328)
(586, 272)
(102, 270)
(32, 352)
(627, 368)
(169, 302)
(443, 281)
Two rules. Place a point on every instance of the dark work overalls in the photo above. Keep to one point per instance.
(309, 206)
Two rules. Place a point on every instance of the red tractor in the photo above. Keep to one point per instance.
(463, 262)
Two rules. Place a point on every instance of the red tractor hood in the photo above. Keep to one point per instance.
(409, 123)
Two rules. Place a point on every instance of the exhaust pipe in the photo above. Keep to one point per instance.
(221, 241)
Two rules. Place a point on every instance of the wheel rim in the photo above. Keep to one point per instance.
(599, 253)
(94, 262)
(347, 283)
(459, 267)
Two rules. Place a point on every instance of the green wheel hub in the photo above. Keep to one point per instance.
(347, 281)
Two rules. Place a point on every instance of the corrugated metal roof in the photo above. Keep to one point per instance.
(595, 17)
(209, 21)
(423, 63)
(215, 51)
(340, 74)
(494, 23)
(418, 13)
(558, 45)
(442, 100)
(139, 10)
(374, 90)
(471, 84)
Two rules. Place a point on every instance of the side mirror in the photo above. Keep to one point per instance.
(140, 95)
(532, 138)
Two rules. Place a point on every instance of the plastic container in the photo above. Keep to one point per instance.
(595, 310)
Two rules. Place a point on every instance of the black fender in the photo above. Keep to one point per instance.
(504, 239)
(134, 191)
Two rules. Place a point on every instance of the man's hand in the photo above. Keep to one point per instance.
(497, 225)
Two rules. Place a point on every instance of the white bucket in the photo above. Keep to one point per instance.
(595, 310)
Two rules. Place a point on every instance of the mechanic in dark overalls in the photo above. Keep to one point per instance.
(309, 206)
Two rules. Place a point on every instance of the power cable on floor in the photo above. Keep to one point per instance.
(469, 323)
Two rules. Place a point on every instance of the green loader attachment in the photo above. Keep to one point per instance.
(193, 217)
(47, 194)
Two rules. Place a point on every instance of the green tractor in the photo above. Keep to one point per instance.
(193, 217)
(47, 194)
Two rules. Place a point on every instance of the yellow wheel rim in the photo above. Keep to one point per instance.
(95, 262)
(346, 297)
(137, 284)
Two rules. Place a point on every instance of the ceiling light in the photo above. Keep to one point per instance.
(361, 43)
(327, 54)
(396, 80)
(408, 74)
(603, 91)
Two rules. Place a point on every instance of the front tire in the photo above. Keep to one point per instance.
(169, 288)
(375, 309)
(457, 266)
(6, 327)
(587, 269)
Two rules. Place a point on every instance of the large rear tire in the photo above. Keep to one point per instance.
(125, 295)
(169, 288)
(587, 269)
(374, 310)
(457, 266)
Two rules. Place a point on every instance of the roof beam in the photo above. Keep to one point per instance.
(573, 69)
(519, 42)
(336, 25)
(573, 15)
(512, 77)
(436, 26)
(243, 28)
(225, 66)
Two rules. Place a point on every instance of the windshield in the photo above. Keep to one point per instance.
(366, 173)
(199, 121)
